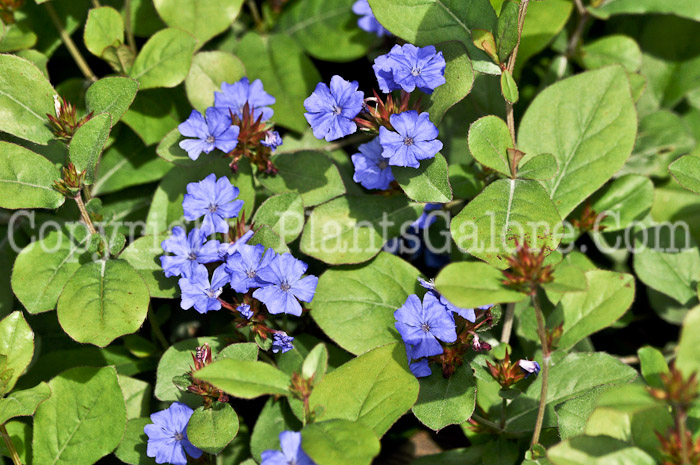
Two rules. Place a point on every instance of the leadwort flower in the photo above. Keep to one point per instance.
(407, 67)
(234, 96)
(245, 311)
(414, 139)
(529, 367)
(190, 250)
(281, 342)
(213, 132)
(283, 285)
(466, 313)
(424, 325)
(213, 199)
(367, 21)
(330, 111)
(372, 170)
(198, 292)
(292, 453)
(167, 436)
(244, 266)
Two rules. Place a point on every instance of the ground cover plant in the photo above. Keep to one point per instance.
(349, 232)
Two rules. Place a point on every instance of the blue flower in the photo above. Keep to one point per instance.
(422, 325)
(167, 435)
(244, 265)
(234, 97)
(281, 342)
(414, 139)
(190, 250)
(284, 285)
(272, 139)
(226, 249)
(213, 199)
(426, 219)
(419, 368)
(372, 170)
(245, 311)
(214, 132)
(330, 112)
(529, 367)
(367, 21)
(292, 453)
(466, 313)
(410, 67)
(196, 290)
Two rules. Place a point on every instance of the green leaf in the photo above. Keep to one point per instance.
(653, 365)
(484, 286)
(104, 28)
(485, 41)
(112, 95)
(667, 262)
(38, 276)
(144, 255)
(507, 211)
(590, 370)
(87, 144)
(245, 379)
(688, 355)
(371, 294)
(23, 403)
(208, 71)
(507, 29)
(686, 171)
(612, 50)
(17, 36)
(353, 229)
(608, 297)
(214, 428)
(567, 278)
(26, 97)
(137, 396)
(489, 139)
(285, 71)
(375, 389)
(460, 79)
(628, 198)
(203, 19)
(316, 363)
(314, 24)
(133, 447)
(164, 60)
(588, 122)
(17, 344)
(446, 401)
(311, 174)
(83, 420)
(21, 436)
(598, 450)
(274, 418)
(155, 113)
(27, 178)
(339, 442)
(544, 20)
(509, 89)
(683, 8)
(170, 151)
(283, 213)
(540, 167)
(102, 301)
(270, 239)
(429, 183)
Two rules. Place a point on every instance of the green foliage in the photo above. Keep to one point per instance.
(484, 287)
(16, 347)
(429, 183)
(164, 60)
(27, 179)
(336, 442)
(104, 28)
(208, 71)
(283, 213)
(686, 170)
(245, 379)
(203, 19)
(23, 403)
(112, 95)
(87, 144)
(442, 402)
(213, 428)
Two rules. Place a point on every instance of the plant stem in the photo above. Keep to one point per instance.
(681, 418)
(70, 45)
(510, 119)
(255, 13)
(96, 3)
(84, 214)
(155, 327)
(127, 26)
(504, 404)
(544, 374)
(10, 447)
(486, 422)
(508, 323)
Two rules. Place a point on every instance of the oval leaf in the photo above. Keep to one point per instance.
(27, 179)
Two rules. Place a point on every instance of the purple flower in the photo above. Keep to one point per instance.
(529, 367)
(414, 139)
(281, 342)
(245, 311)
(290, 442)
(466, 313)
(234, 97)
(372, 170)
(330, 112)
(367, 21)
(190, 250)
(272, 139)
(214, 132)
(420, 369)
(410, 67)
(422, 325)
(284, 285)
(167, 435)
(196, 290)
(244, 265)
(226, 249)
(213, 199)
(426, 219)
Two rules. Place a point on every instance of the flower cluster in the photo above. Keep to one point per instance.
(167, 436)
(367, 21)
(405, 134)
(424, 325)
(274, 280)
(237, 124)
(292, 453)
